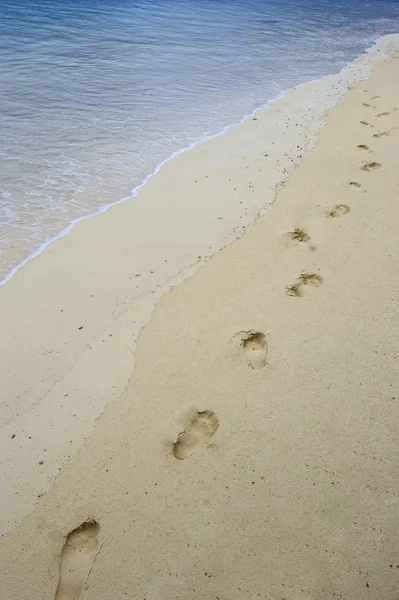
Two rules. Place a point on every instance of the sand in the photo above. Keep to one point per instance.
(251, 448)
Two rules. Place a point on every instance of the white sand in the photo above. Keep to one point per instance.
(293, 495)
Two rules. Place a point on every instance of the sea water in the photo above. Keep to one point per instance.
(94, 94)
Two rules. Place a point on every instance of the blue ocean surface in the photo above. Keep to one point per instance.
(95, 93)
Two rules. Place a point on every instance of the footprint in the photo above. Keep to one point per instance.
(253, 347)
(383, 114)
(363, 147)
(299, 235)
(311, 279)
(77, 557)
(375, 97)
(339, 210)
(382, 134)
(364, 123)
(354, 184)
(299, 288)
(365, 104)
(202, 428)
(371, 166)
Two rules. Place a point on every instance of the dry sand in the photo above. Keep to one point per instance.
(272, 374)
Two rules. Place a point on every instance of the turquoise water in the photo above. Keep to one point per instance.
(96, 93)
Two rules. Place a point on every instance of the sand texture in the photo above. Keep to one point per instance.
(72, 316)
(253, 450)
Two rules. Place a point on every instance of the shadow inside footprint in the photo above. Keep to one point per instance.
(299, 235)
(371, 166)
(202, 428)
(339, 210)
(298, 290)
(311, 279)
(363, 147)
(77, 558)
(354, 184)
(305, 279)
(252, 346)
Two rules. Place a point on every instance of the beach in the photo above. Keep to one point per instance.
(252, 336)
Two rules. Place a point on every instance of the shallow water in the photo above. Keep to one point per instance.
(94, 94)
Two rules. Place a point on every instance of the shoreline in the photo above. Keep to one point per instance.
(79, 309)
(206, 138)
